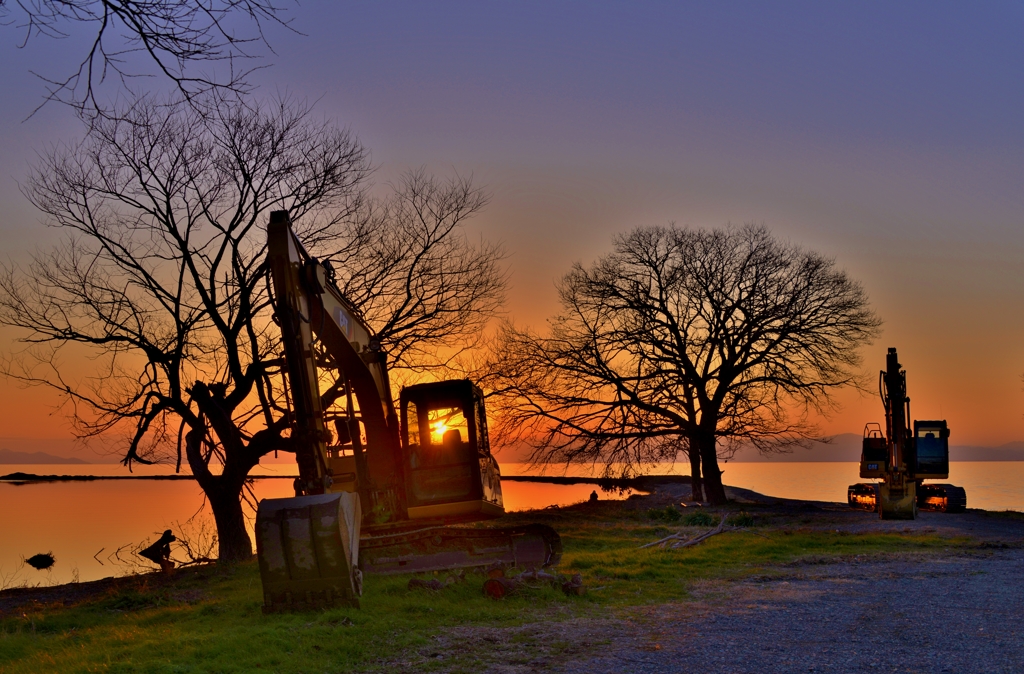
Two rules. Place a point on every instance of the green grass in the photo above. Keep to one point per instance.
(213, 621)
(225, 630)
(608, 554)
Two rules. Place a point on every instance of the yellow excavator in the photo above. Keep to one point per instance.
(379, 490)
(902, 458)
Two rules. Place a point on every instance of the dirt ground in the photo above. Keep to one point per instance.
(955, 614)
(954, 611)
(962, 611)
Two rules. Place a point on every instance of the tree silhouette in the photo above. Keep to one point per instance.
(176, 37)
(677, 339)
(161, 280)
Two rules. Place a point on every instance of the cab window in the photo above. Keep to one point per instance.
(449, 428)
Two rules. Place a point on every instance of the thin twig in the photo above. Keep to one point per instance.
(693, 541)
(662, 541)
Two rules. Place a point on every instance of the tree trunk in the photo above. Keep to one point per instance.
(714, 491)
(233, 539)
(696, 484)
(224, 492)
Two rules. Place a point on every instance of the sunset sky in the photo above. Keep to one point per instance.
(886, 135)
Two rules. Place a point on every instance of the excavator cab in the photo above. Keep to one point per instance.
(931, 440)
(451, 474)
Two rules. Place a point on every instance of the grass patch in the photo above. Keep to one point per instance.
(700, 519)
(741, 520)
(212, 621)
(669, 513)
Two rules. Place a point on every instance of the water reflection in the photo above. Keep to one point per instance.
(83, 523)
(530, 495)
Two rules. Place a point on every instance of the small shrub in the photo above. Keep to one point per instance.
(741, 520)
(667, 514)
(698, 519)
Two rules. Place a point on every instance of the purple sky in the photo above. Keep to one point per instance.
(885, 134)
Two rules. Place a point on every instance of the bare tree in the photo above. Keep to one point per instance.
(161, 280)
(678, 339)
(425, 290)
(175, 36)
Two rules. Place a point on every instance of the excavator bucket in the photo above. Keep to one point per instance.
(897, 501)
(308, 548)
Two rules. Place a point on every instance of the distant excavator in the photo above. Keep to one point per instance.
(903, 458)
(374, 494)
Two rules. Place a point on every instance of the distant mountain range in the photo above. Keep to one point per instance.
(846, 447)
(63, 450)
(9, 456)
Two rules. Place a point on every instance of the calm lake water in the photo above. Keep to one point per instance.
(84, 523)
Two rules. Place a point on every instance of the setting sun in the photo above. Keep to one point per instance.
(437, 431)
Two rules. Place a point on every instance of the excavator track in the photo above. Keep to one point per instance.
(532, 546)
(943, 498)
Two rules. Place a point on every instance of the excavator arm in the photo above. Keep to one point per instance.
(310, 308)
(384, 505)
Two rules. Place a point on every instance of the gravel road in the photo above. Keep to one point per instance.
(960, 612)
(954, 614)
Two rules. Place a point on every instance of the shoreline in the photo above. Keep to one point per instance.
(647, 483)
(990, 528)
(641, 483)
(31, 478)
